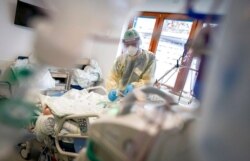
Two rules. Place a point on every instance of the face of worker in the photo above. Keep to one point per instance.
(131, 48)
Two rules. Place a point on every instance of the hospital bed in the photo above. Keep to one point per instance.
(70, 131)
(84, 123)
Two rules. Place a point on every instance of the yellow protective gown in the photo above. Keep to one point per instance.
(136, 70)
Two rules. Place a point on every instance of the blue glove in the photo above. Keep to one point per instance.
(129, 88)
(112, 95)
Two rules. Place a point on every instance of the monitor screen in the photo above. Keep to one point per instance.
(26, 12)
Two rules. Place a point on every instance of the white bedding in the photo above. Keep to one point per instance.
(72, 102)
(76, 102)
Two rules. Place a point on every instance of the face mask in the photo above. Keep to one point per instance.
(131, 50)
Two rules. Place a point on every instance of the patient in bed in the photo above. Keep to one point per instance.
(73, 102)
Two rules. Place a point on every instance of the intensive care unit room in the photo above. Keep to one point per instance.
(124, 80)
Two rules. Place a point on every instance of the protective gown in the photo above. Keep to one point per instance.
(138, 71)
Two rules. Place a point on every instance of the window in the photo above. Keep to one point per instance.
(145, 27)
(168, 35)
(170, 48)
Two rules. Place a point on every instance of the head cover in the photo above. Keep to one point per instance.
(131, 36)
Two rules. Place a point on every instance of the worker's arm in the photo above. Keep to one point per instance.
(148, 75)
(113, 79)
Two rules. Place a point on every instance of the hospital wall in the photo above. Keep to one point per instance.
(14, 40)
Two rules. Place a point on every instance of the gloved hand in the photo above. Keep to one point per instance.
(129, 88)
(112, 95)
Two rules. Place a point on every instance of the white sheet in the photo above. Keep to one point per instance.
(87, 77)
(76, 102)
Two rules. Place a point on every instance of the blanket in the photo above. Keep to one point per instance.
(76, 102)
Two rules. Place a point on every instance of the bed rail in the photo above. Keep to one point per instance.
(95, 88)
(58, 136)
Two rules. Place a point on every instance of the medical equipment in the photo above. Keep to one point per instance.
(203, 16)
(159, 83)
(158, 134)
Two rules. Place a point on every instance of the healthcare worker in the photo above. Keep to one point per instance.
(135, 67)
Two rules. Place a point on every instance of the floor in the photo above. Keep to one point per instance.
(13, 157)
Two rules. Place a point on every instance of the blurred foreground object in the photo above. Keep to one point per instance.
(144, 130)
(16, 113)
(224, 131)
(203, 41)
(60, 39)
(201, 47)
